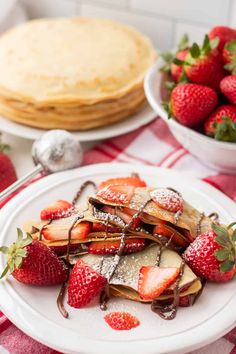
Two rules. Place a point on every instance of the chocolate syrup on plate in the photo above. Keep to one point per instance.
(82, 188)
(163, 308)
(214, 217)
(44, 226)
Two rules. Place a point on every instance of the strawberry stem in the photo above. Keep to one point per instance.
(227, 253)
(225, 130)
(16, 252)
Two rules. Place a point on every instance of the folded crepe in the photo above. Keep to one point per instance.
(124, 282)
(156, 223)
(190, 222)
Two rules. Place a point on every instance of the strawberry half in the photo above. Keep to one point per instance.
(58, 232)
(99, 227)
(153, 280)
(117, 193)
(57, 210)
(111, 247)
(121, 321)
(32, 262)
(84, 284)
(212, 255)
(123, 181)
(167, 199)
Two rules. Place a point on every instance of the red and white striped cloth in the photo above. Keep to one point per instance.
(151, 145)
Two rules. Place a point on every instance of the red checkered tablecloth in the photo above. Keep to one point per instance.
(151, 145)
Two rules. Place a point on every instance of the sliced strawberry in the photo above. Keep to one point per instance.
(153, 280)
(117, 193)
(129, 211)
(57, 210)
(99, 227)
(167, 199)
(84, 284)
(162, 230)
(121, 321)
(57, 232)
(127, 219)
(123, 181)
(111, 247)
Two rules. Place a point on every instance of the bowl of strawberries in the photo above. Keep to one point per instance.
(194, 90)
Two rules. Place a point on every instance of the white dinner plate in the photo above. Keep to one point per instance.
(137, 120)
(34, 310)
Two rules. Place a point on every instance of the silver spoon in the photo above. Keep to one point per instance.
(54, 151)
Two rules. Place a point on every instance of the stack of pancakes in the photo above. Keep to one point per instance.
(74, 74)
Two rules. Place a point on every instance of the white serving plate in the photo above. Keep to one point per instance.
(33, 309)
(137, 120)
(216, 154)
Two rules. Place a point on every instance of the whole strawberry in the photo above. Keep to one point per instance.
(32, 262)
(84, 284)
(204, 65)
(190, 104)
(7, 170)
(222, 123)
(228, 87)
(177, 70)
(224, 33)
(212, 255)
(170, 59)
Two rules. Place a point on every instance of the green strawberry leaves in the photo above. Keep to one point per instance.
(225, 130)
(227, 253)
(207, 46)
(16, 252)
(183, 43)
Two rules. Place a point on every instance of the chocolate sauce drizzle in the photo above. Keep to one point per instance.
(174, 190)
(82, 188)
(105, 294)
(214, 217)
(44, 227)
(199, 224)
(61, 295)
(60, 301)
(163, 308)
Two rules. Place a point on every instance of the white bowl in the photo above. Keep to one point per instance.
(216, 154)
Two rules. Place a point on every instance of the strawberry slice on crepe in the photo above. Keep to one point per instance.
(111, 247)
(57, 210)
(153, 280)
(123, 181)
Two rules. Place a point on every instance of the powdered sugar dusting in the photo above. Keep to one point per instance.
(167, 199)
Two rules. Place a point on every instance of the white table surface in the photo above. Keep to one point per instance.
(20, 152)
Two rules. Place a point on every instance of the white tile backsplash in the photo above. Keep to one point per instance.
(204, 11)
(164, 21)
(233, 14)
(113, 3)
(51, 8)
(158, 30)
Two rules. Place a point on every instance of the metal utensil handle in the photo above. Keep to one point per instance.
(13, 187)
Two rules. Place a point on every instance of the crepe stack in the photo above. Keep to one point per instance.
(73, 74)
